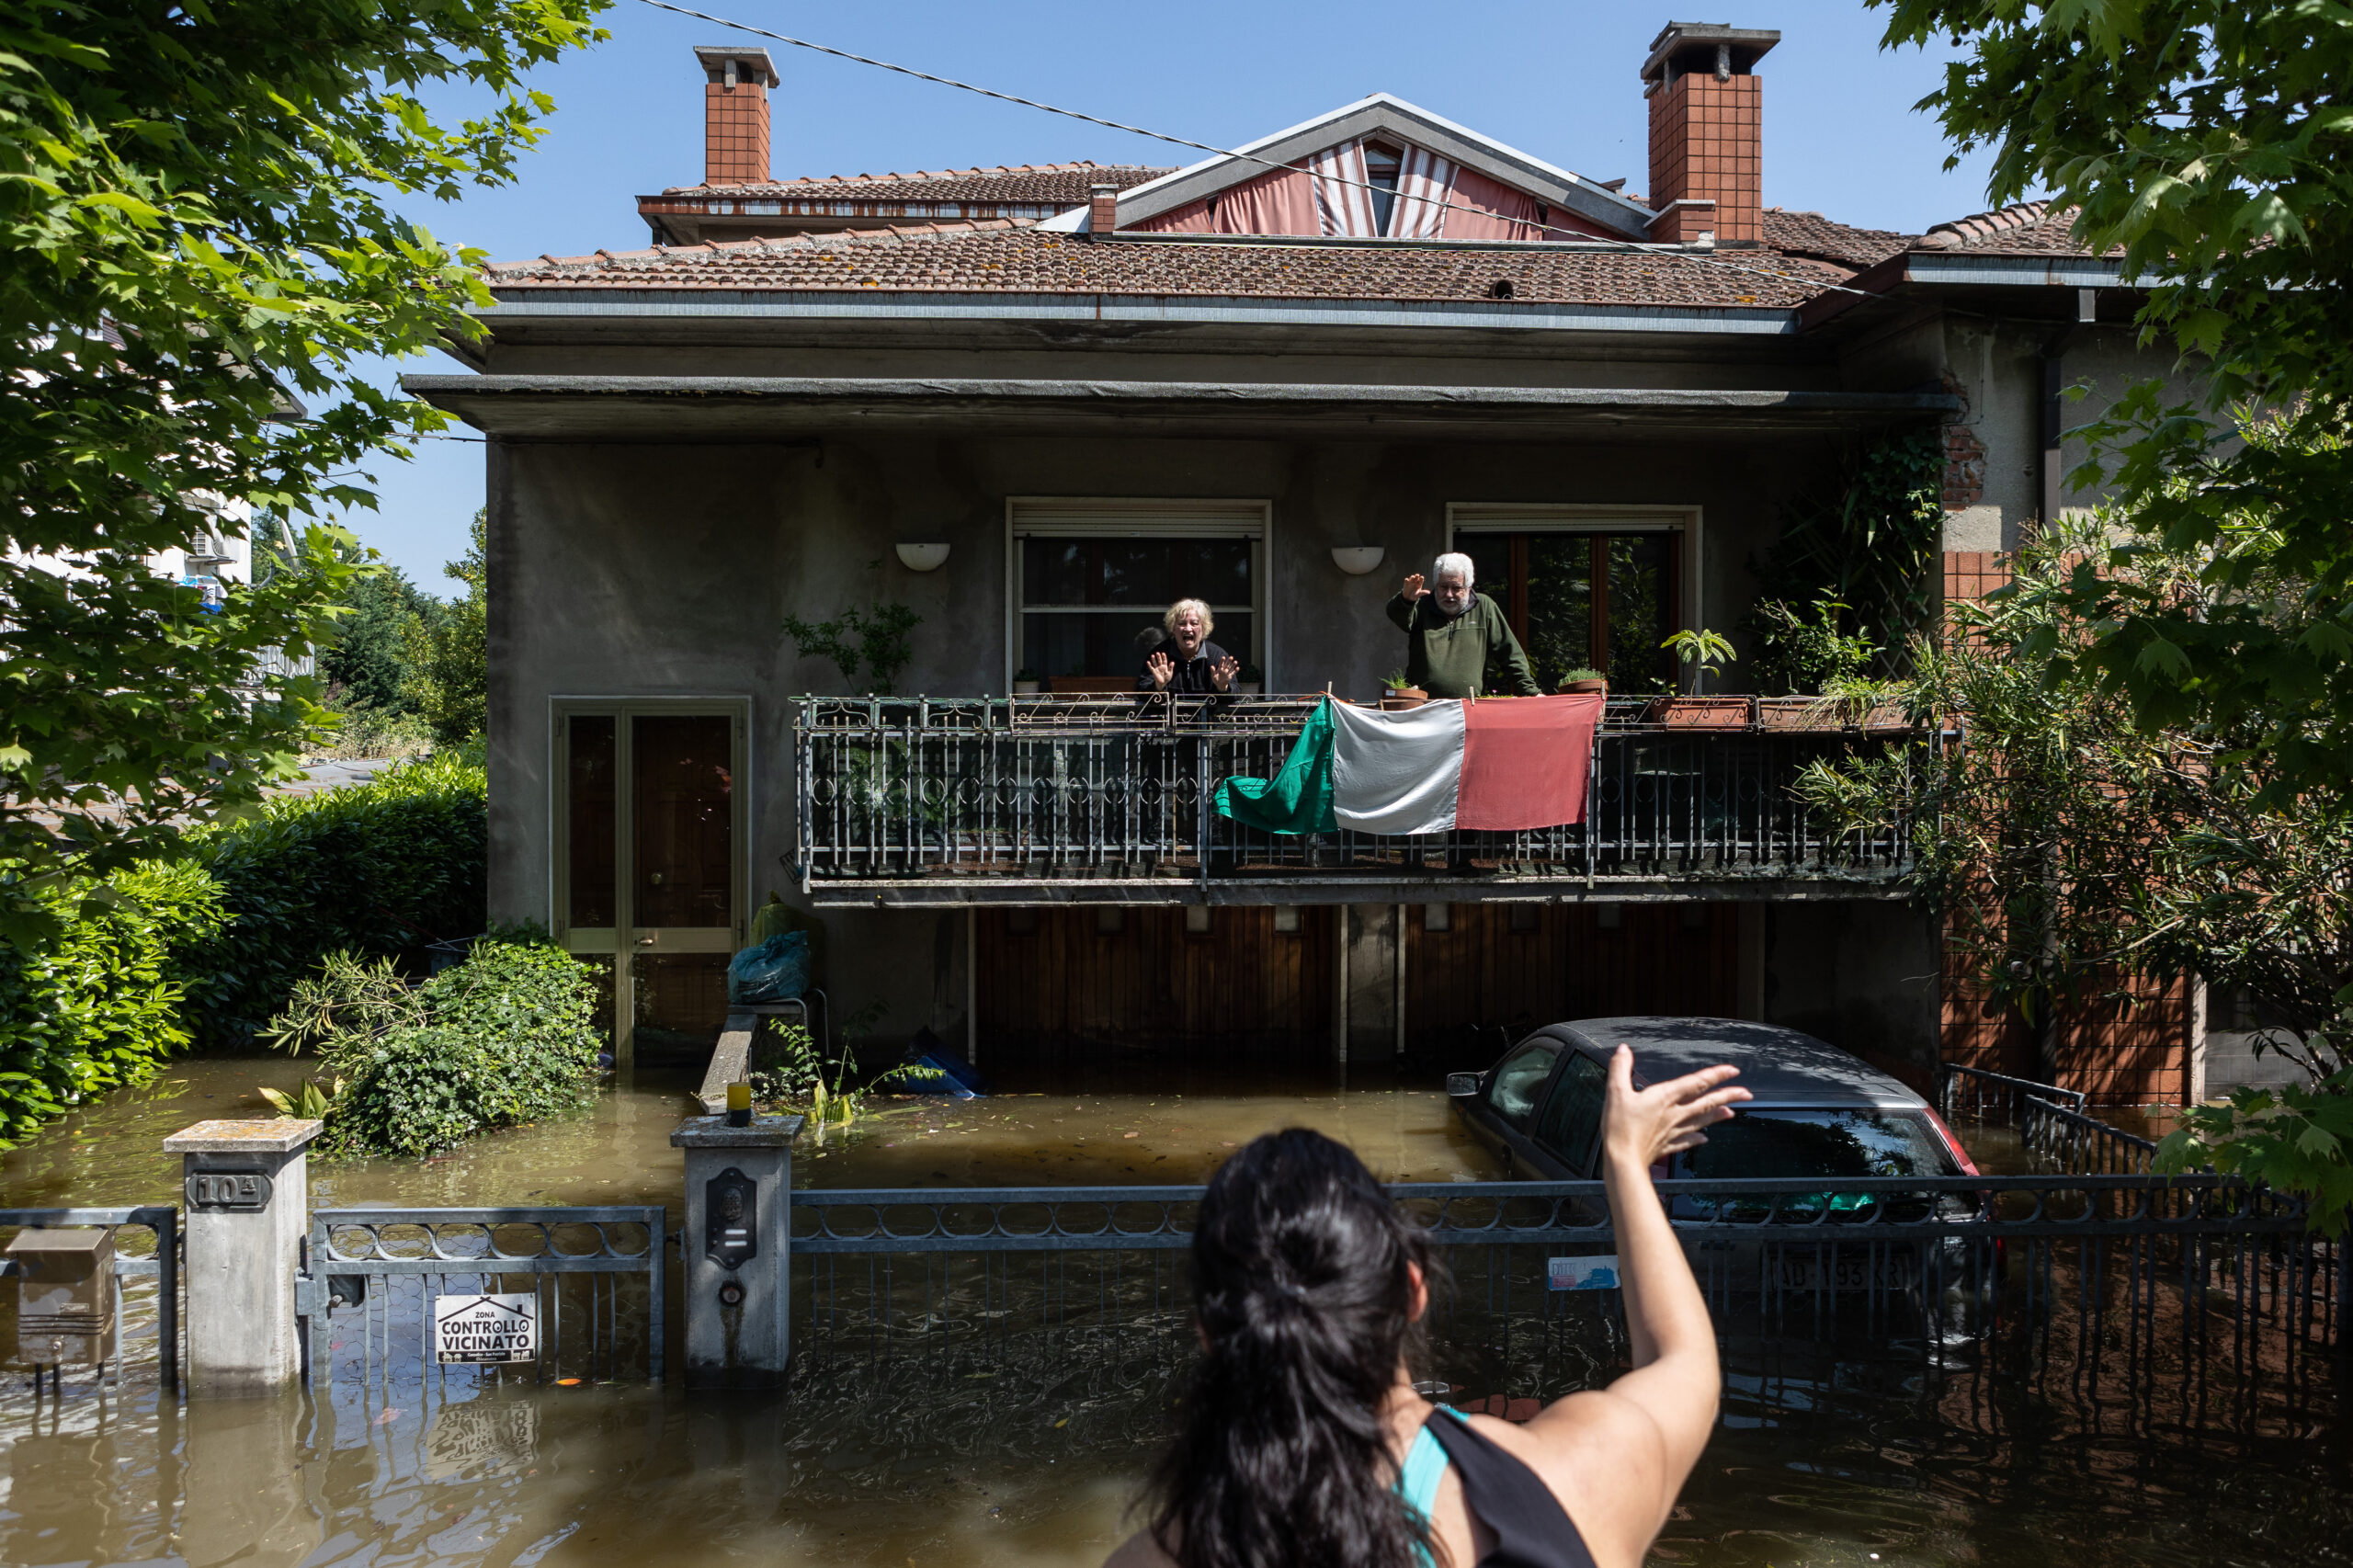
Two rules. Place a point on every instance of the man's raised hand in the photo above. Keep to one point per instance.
(1413, 589)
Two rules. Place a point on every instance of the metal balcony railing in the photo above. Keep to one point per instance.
(969, 798)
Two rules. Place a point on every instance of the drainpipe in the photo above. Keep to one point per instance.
(2052, 464)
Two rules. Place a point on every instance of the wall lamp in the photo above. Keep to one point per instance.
(1356, 560)
(923, 556)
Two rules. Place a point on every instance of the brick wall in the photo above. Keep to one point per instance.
(1707, 141)
(2132, 1049)
(735, 132)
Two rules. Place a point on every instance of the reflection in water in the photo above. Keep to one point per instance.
(1016, 1456)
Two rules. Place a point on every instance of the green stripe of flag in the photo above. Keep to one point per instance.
(1296, 800)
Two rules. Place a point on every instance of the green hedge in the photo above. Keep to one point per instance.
(105, 1007)
(202, 950)
(385, 868)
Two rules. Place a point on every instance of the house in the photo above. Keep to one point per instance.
(1033, 404)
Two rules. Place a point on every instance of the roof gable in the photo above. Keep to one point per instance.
(1386, 118)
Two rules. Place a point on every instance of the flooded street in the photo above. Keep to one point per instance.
(954, 1462)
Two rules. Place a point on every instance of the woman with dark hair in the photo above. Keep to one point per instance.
(1304, 1443)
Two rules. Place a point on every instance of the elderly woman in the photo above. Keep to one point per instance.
(1457, 642)
(1186, 660)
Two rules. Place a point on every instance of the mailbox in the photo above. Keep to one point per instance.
(65, 1296)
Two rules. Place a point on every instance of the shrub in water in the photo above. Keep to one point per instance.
(202, 949)
(500, 1039)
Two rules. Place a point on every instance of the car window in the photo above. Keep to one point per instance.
(1820, 1143)
(1512, 1091)
(1570, 1124)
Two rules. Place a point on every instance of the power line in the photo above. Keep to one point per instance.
(1631, 246)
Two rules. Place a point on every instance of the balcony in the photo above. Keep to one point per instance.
(915, 802)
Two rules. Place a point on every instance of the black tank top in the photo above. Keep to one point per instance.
(1531, 1528)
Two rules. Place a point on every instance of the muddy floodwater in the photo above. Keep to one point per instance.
(1026, 1462)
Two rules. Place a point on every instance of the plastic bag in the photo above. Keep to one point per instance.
(773, 971)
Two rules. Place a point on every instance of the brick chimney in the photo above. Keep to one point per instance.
(1103, 209)
(1707, 126)
(735, 114)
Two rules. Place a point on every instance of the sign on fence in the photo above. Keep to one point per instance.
(1596, 1273)
(482, 1330)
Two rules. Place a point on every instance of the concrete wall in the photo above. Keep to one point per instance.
(664, 570)
(1996, 368)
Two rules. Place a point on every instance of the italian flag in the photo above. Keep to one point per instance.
(1499, 764)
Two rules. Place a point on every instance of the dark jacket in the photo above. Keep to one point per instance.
(1191, 677)
(1469, 656)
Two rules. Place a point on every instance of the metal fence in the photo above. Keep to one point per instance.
(595, 1276)
(2050, 1122)
(1020, 789)
(2098, 1277)
(162, 1266)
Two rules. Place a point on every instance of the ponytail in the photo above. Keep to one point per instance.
(1301, 1285)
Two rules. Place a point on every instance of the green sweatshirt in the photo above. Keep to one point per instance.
(1465, 656)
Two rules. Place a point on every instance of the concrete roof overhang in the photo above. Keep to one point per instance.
(2027, 286)
(753, 408)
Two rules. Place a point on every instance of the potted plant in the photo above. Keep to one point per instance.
(1025, 682)
(1584, 683)
(1248, 682)
(1706, 651)
(1395, 693)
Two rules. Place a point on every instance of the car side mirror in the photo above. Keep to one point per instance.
(1461, 1085)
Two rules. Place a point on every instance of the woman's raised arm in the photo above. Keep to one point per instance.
(1650, 1424)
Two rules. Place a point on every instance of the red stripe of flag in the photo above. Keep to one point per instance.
(1525, 761)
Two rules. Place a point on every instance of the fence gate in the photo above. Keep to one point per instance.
(553, 1289)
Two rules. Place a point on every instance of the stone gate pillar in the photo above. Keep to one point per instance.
(739, 1223)
(247, 1189)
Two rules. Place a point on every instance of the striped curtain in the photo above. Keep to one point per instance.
(1425, 182)
(1342, 211)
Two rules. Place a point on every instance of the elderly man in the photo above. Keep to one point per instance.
(1458, 642)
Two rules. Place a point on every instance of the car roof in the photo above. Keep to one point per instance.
(1777, 1066)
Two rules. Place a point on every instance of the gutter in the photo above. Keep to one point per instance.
(444, 391)
(526, 302)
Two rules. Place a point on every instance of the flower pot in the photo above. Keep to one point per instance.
(1886, 716)
(1024, 688)
(1699, 712)
(1401, 697)
(1248, 688)
(1585, 689)
(1806, 715)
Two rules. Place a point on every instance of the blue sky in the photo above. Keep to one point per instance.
(1558, 80)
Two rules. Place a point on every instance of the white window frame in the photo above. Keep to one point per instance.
(1132, 516)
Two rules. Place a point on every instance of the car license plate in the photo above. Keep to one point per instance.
(1849, 1270)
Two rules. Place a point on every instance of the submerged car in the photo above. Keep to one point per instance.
(1815, 1111)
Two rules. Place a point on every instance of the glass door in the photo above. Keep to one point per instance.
(651, 887)
(1588, 600)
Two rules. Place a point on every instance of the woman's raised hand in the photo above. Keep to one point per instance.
(1159, 667)
(1642, 1127)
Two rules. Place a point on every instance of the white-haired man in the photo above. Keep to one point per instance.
(1457, 642)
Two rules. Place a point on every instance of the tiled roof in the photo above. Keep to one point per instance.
(1008, 256)
(2035, 226)
(1064, 183)
(1811, 234)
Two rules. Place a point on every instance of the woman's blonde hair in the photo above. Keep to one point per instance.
(1169, 622)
